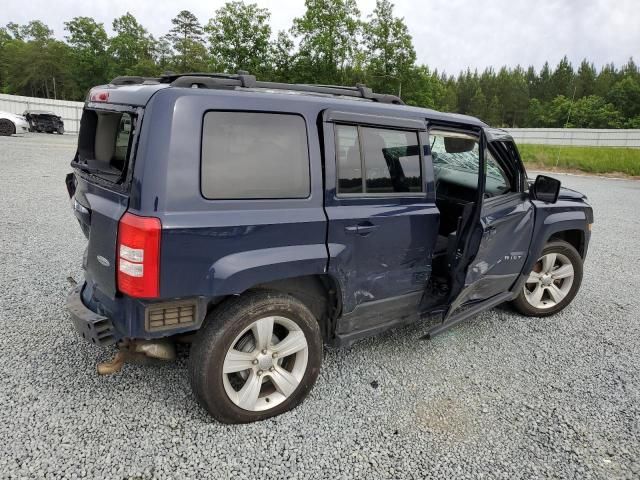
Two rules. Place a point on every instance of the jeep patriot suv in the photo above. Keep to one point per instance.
(263, 220)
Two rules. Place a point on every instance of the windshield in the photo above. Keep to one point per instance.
(104, 143)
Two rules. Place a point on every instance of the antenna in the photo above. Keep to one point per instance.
(575, 88)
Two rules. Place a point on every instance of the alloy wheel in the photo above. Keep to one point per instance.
(550, 281)
(265, 363)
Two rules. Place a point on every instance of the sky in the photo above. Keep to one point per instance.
(450, 35)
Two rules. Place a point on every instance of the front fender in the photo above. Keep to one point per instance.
(552, 219)
(237, 272)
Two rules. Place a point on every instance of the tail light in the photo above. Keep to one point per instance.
(99, 96)
(139, 256)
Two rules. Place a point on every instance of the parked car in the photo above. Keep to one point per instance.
(11, 123)
(263, 220)
(42, 121)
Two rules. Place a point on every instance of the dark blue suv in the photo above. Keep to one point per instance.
(262, 220)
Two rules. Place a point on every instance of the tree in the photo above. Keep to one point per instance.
(328, 35)
(478, 105)
(163, 53)
(131, 47)
(536, 114)
(34, 63)
(186, 38)
(424, 88)
(282, 57)
(562, 79)
(239, 36)
(594, 112)
(585, 82)
(388, 47)
(607, 77)
(91, 63)
(494, 112)
(625, 97)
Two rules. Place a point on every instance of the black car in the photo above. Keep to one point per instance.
(262, 220)
(42, 121)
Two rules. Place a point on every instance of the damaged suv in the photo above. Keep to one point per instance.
(263, 220)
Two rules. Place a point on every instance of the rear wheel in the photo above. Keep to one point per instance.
(553, 283)
(7, 127)
(256, 357)
(61, 130)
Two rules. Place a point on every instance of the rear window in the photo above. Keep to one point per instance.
(254, 155)
(104, 143)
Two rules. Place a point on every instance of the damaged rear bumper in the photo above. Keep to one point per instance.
(92, 326)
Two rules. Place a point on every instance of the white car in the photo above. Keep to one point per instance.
(11, 123)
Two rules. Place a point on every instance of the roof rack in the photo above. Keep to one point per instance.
(244, 80)
(133, 80)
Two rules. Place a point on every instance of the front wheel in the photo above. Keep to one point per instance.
(7, 127)
(257, 356)
(553, 282)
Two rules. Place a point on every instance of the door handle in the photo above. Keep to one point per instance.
(361, 228)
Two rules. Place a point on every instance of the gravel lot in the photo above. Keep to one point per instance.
(501, 396)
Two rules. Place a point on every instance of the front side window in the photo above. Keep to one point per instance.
(254, 155)
(456, 160)
(390, 160)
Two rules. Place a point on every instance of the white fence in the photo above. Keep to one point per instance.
(577, 136)
(70, 112)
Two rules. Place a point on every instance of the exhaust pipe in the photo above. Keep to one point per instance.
(137, 352)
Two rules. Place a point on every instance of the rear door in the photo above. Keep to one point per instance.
(506, 224)
(100, 186)
(383, 221)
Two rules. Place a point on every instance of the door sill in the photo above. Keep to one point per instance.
(469, 312)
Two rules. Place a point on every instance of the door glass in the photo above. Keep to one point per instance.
(392, 161)
(456, 159)
(349, 162)
(497, 180)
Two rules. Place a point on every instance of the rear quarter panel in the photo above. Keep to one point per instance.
(222, 247)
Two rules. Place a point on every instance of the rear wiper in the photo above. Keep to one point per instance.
(88, 169)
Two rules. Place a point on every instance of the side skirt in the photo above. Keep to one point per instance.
(371, 318)
(468, 313)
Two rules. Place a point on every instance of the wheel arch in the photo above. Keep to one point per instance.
(574, 237)
(321, 293)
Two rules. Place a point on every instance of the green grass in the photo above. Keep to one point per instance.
(586, 159)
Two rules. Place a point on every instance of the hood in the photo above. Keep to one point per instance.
(565, 193)
(568, 194)
(12, 116)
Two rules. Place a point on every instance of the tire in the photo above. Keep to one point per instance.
(61, 130)
(7, 128)
(226, 395)
(553, 282)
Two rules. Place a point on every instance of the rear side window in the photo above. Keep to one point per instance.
(104, 143)
(254, 155)
(388, 160)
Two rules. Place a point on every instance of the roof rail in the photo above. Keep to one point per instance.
(244, 80)
(133, 80)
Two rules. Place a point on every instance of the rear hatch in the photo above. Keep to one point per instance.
(100, 186)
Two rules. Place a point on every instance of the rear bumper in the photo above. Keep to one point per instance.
(92, 326)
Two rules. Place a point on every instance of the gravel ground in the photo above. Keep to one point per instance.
(500, 396)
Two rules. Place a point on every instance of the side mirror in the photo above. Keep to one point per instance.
(545, 189)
